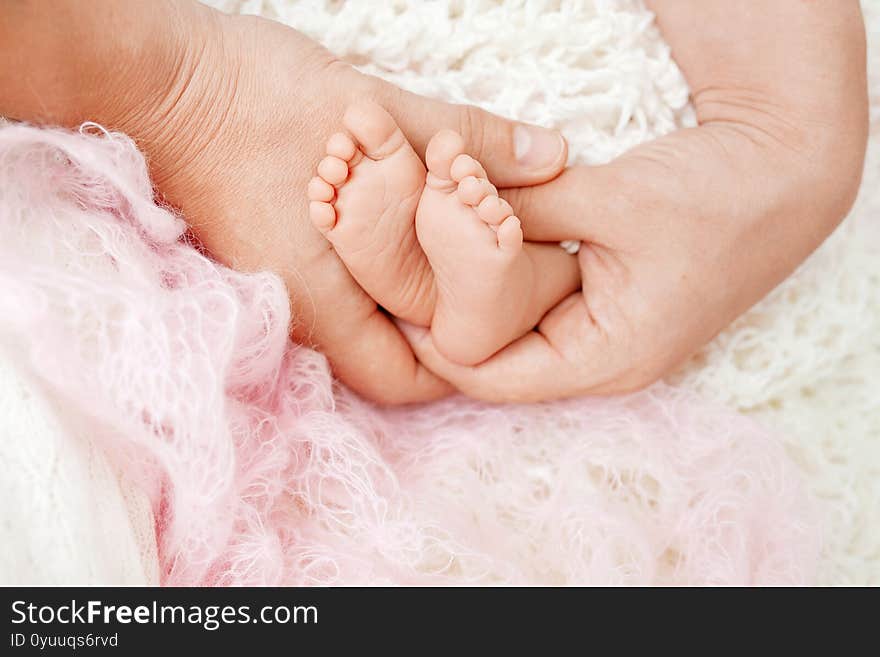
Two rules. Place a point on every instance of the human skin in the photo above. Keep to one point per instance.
(433, 242)
(683, 234)
(680, 235)
(232, 112)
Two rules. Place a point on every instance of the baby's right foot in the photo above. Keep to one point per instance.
(364, 201)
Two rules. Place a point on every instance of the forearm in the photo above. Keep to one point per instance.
(787, 76)
(66, 61)
(779, 48)
(153, 69)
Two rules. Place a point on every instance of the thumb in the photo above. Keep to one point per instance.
(514, 154)
(688, 173)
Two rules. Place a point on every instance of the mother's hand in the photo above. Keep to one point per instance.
(685, 233)
(274, 96)
(232, 113)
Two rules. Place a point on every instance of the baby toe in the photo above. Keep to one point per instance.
(442, 150)
(333, 170)
(494, 209)
(342, 146)
(322, 215)
(472, 191)
(320, 190)
(463, 166)
(510, 236)
(374, 129)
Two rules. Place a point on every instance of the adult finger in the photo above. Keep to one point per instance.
(513, 153)
(565, 357)
(588, 203)
(365, 349)
(376, 361)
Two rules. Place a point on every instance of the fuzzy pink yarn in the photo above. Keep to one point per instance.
(263, 470)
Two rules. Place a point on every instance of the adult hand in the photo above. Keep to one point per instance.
(683, 234)
(233, 114)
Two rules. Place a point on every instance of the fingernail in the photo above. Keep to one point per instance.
(537, 148)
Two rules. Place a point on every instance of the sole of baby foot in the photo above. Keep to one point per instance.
(474, 244)
(364, 200)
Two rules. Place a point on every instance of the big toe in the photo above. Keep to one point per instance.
(442, 151)
(374, 129)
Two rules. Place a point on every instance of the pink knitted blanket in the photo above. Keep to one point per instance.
(263, 470)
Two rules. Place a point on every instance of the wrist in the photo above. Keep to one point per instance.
(79, 63)
(153, 70)
(170, 85)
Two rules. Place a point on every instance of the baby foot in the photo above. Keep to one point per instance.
(485, 280)
(364, 201)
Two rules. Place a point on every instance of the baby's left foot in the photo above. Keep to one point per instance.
(485, 280)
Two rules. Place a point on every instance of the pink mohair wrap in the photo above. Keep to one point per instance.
(262, 469)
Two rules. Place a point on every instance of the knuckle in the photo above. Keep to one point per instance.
(385, 393)
(470, 126)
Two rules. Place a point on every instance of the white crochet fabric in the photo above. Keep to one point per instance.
(65, 518)
(806, 360)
